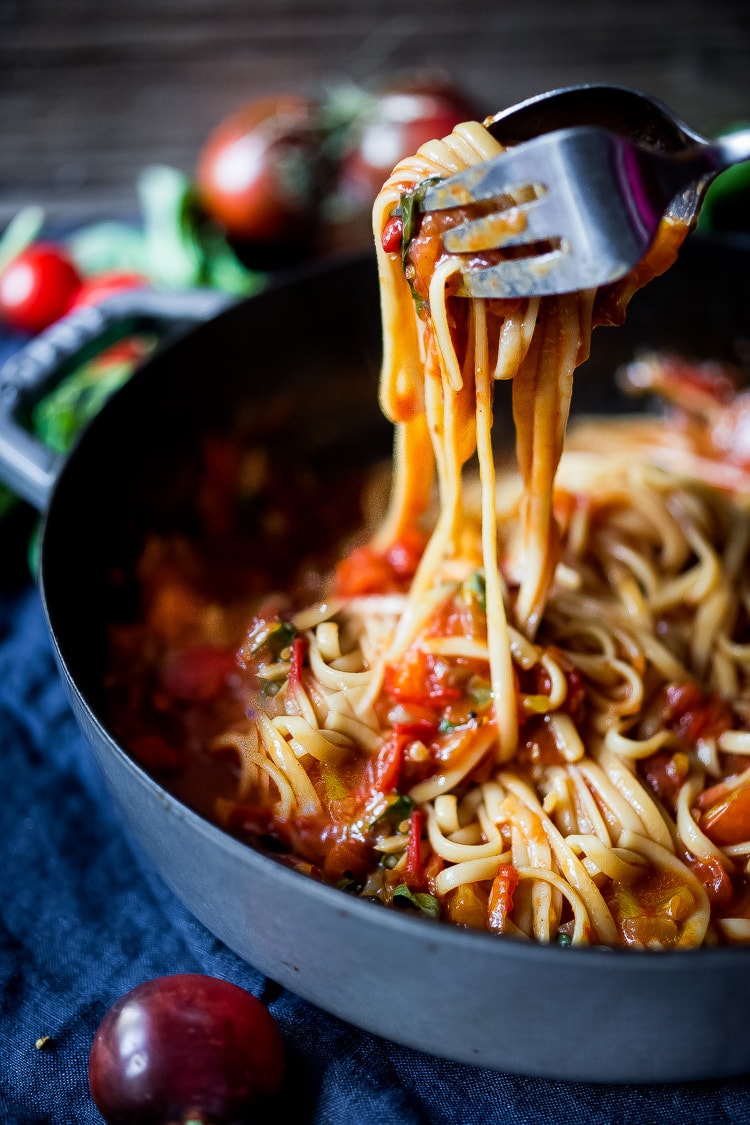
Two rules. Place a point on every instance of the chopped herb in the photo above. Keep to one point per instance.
(280, 637)
(427, 904)
(399, 808)
(348, 883)
(269, 688)
(480, 691)
(476, 587)
(409, 209)
(445, 725)
(564, 939)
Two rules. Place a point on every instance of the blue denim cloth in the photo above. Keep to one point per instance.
(83, 919)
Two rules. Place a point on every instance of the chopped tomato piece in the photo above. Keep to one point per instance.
(383, 770)
(367, 571)
(199, 673)
(420, 678)
(155, 753)
(467, 908)
(364, 571)
(414, 874)
(728, 821)
(392, 235)
(712, 874)
(500, 905)
(666, 773)
(346, 857)
(423, 729)
(403, 556)
(693, 715)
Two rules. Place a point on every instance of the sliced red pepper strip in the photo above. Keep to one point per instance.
(500, 905)
(299, 648)
(414, 873)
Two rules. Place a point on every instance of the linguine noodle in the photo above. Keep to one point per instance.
(526, 712)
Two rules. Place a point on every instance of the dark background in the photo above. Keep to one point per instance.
(91, 90)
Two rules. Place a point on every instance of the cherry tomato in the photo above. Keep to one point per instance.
(728, 820)
(103, 285)
(257, 172)
(185, 1044)
(400, 120)
(37, 287)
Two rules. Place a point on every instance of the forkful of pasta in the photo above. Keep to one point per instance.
(575, 200)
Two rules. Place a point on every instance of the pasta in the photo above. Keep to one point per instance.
(525, 710)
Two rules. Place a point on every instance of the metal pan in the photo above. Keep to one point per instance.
(591, 1014)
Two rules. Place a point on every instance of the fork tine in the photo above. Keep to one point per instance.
(558, 271)
(514, 226)
(511, 171)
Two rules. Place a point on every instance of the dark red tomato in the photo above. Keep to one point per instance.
(103, 285)
(185, 1047)
(37, 287)
(257, 172)
(399, 121)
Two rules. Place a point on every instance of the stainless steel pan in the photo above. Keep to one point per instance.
(592, 1014)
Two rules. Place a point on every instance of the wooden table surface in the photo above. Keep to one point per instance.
(92, 90)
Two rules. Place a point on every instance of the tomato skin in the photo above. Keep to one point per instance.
(728, 821)
(420, 678)
(103, 285)
(367, 571)
(256, 174)
(37, 287)
(393, 233)
(384, 768)
(398, 122)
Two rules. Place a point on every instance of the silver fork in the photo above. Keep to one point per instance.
(588, 198)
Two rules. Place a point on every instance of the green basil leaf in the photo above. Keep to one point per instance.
(410, 208)
(480, 691)
(475, 586)
(399, 808)
(427, 904)
(60, 416)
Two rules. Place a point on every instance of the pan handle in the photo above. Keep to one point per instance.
(29, 467)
